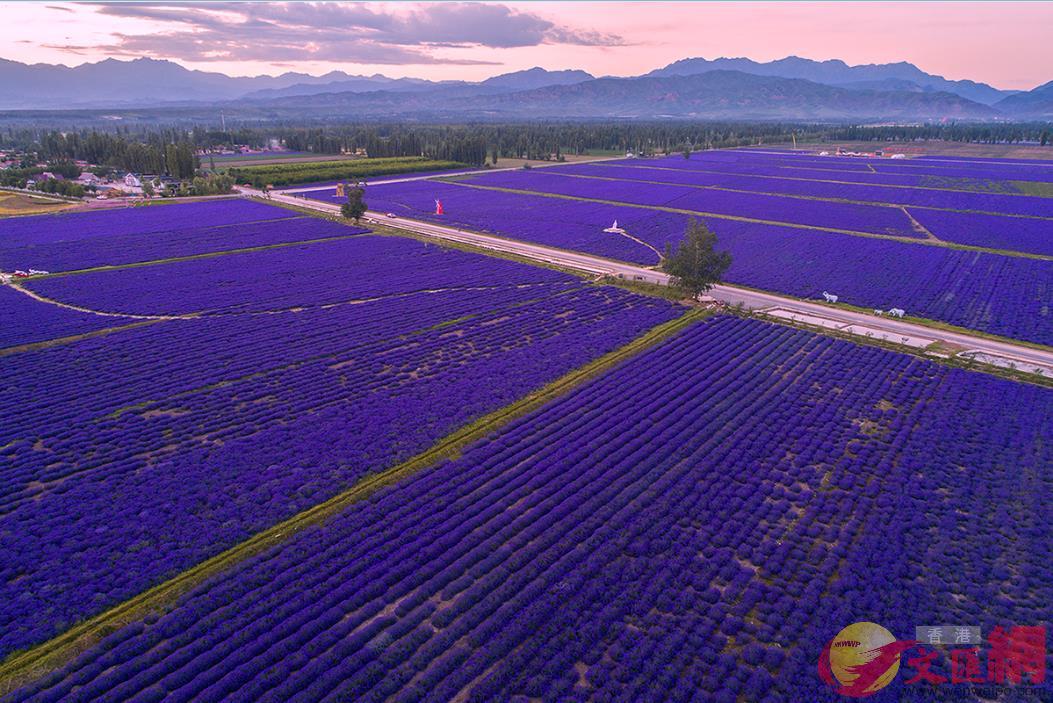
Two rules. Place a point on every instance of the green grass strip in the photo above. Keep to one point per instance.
(1034, 188)
(58, 341)
(20, 668)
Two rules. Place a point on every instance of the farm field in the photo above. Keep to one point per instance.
(231, 391)
(698, 522)
(330, 185)
(924, 193)
(13, 203)
(25, 321)
(974, 255)
(115, 237)
(939, 150)
(293, 172)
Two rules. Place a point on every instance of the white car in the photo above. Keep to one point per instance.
(391, 214)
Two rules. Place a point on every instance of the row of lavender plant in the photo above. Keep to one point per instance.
(1002, 295)
(695, 525)
(76, 226)
(142, 454)
(980, 169)
(772, 208)
(859, 171)
(834, 175)
(913, 196)
(302, 275)
(115, 249)
(705, 163)
(1021, 234)
(26, 321)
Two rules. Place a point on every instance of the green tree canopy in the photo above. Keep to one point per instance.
(696, 266)
(355, 206)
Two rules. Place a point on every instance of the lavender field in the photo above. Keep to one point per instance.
(923, 195)
(868, 219)
(1005, 295)
(1022, 234)
(695, 522)
(274, 380)
(698, 522)
(27, 321)
(121, 236)
(355, 270)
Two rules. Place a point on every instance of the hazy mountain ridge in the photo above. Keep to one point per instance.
(724, 88)
(837, 72)
(736, 94)
(116, 83)
(145, 81)
(1035, 104)
(715, 94)
(508, 82)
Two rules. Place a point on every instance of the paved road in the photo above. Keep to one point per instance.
(831, 317)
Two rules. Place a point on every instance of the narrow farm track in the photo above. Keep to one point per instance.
(57, 303)
(920, 227)
(21, 668)
(1004, 352)
(643, 244)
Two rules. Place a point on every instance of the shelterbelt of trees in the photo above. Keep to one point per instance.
(314, 171)
(171, 150)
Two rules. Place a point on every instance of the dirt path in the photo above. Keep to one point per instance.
(921, 229)
(643, 243)
(49, 301)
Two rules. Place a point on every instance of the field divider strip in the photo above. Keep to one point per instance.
(21, 668)
(59, 341)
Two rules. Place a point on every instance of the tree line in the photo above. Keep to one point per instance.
(172, 150)
(166, 152)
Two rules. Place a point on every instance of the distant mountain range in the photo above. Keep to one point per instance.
(151, 82)
(886, 76)
(1036, 104)
(711, 95)
(726, 88)
(507, 82)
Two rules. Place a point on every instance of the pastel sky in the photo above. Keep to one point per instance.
(1006, 44)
